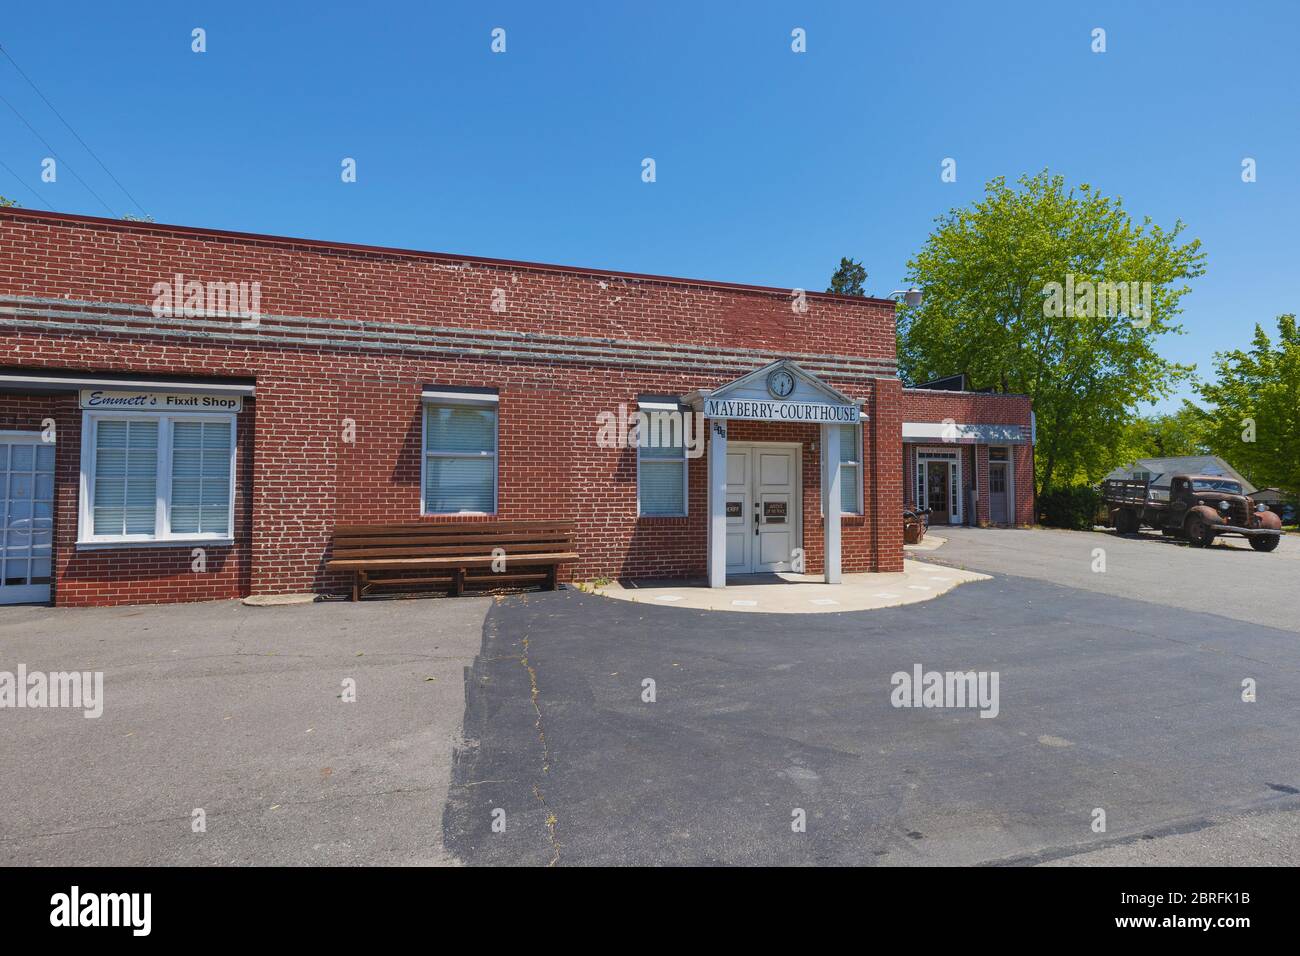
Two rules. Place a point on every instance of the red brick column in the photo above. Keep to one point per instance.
(885, 499)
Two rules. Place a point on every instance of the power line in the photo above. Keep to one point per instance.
(23, 182)
(70, 129)
(57, 156)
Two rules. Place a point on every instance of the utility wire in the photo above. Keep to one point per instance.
(22, 181)
(70, 129)
(57, 156)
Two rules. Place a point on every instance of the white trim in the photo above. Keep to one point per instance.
(29, 593)
(425, 454)
(434, 397)
(958, 433)
(19, 435)
(73, 383)
(952, 454)
(87, 540)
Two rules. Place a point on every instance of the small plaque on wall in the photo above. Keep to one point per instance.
(733, 509)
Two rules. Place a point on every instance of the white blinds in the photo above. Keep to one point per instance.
(460, 459)
(850, 469)
(126, 477)
(200, 502)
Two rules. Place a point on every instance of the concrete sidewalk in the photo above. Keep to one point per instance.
(797, 593)
(238, 712)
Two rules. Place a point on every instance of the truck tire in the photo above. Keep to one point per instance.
(1198, 532)
(1265, 542)
(1126, 521)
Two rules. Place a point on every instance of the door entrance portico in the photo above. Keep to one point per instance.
(781, 392)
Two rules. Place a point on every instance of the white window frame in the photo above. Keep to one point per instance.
(857, 430)
(453, 400)
(953, 457)
(686, 464)
(162, 535)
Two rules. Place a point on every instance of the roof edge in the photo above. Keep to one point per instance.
(203, 231)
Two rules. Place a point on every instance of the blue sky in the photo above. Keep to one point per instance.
(770, 164)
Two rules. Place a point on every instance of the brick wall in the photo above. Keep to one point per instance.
(298, 478)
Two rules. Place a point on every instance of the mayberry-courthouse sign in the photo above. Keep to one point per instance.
(210, 450)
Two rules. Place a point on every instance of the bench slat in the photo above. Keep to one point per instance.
(366, 564)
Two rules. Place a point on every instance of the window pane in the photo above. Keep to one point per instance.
(849, 489)
(126, 477)
(459, 428)
(663, 489)
(200, 478)
(458, 484)
(848, 442)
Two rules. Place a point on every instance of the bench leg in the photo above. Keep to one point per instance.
(458, 582)
(356, 585)
(550, 577)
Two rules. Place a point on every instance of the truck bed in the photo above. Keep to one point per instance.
(1125, 491)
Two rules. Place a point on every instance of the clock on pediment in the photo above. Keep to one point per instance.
(780, 383)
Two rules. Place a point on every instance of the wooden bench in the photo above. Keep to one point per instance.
(459, 554)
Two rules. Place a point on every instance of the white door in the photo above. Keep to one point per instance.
(26, 538)
(763, 507)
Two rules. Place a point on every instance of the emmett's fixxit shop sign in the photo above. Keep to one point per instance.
(147, 401)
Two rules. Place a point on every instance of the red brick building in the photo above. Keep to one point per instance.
(968, 456)
(186, 414)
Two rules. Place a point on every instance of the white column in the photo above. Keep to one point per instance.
(831, 500)
(717, 503)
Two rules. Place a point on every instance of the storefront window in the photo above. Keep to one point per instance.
(661, 478)
(460, 459)
(157, 478)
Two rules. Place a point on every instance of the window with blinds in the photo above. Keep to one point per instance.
(126, 477)
(200, 491)
(850, 469)
(157, 478)
(661, 476)
(460, 459)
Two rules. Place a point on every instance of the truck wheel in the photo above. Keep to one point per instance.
(1265, 542)
(1199, 533)
(1126, 521)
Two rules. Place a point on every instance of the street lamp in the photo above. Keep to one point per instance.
(911, 297)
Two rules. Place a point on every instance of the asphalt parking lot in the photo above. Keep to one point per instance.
(238, 712)
(1129, 707)
(1228, 579)
(548, 750)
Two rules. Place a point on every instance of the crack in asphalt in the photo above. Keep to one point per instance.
(534, 694)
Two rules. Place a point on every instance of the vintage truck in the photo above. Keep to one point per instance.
(1195, 507)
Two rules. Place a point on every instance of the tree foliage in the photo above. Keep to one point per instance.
(1253, 418)
(1171, 435)
(986, 272)
(5, 201)
(849, 279)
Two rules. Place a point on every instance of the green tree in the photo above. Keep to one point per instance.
(994, 276)
(5, 201)
(849, 279)
(1164, 436)
(1253, 421)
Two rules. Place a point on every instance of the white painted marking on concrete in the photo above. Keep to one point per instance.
(886, 594)
(745, 603)
(920, 587)
(669, 597)
(824, 601)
